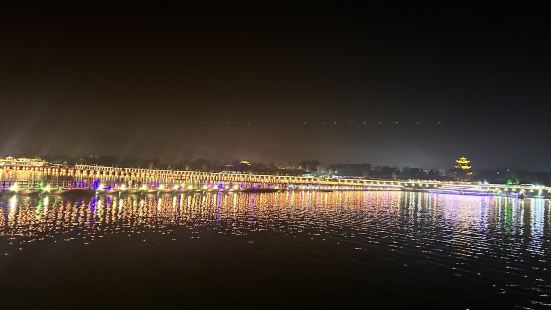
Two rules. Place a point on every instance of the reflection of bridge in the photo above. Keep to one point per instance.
(116, 178)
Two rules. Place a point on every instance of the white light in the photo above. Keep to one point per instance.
(13, 202)
(14, 188)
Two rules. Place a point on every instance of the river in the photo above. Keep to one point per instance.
(379, 249)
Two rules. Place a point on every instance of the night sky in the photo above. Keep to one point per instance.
(415, 86)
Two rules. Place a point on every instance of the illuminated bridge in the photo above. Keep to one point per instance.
(119, 179)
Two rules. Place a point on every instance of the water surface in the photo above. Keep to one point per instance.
(376, 249)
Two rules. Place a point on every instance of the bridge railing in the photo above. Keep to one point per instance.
(92, 171)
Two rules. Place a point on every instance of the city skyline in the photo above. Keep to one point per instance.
(117, 161)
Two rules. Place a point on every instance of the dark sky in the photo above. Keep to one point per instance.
(414, 86)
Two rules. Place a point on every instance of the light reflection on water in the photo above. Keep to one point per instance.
(496, 241)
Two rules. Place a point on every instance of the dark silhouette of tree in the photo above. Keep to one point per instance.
(310, 165)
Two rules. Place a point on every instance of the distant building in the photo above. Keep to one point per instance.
(22, 162)
(463, 169)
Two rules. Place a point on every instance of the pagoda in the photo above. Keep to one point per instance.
(463, 169)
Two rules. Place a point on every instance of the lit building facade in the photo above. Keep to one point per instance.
(22, 162)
